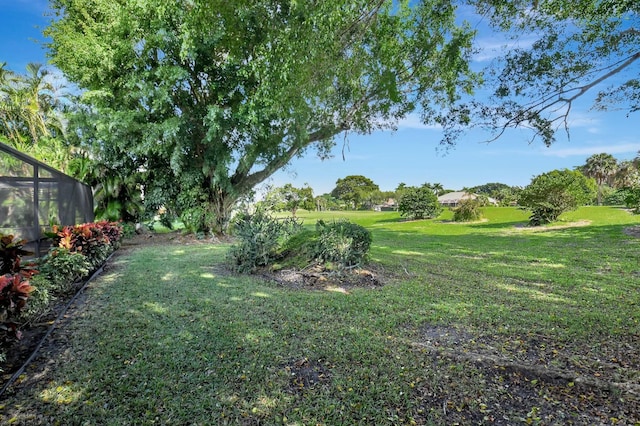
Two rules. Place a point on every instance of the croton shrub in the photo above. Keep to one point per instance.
(95, 240)
(75, 252)
(14, 282)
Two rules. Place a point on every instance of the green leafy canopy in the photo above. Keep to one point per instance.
(212, 97)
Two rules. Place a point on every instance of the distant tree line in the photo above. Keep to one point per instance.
(601, 180)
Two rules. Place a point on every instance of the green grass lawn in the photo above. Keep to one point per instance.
(482, 323)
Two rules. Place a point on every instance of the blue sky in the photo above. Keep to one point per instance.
(411, 153)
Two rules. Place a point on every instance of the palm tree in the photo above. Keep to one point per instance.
(31, 114)
(601, 167)
(437, 188)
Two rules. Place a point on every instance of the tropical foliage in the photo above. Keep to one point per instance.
(260, 238)
(601, 167)
(26, 291)
(14, 284)
(32, 107)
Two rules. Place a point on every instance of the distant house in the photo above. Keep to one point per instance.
(389, 205)
(452, 199)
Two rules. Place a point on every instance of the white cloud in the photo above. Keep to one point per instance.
(590, 150)
(494, 47)
(412, 121)
(577, 119)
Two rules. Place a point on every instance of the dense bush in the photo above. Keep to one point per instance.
(39, 300)
(62, 268)
(260, 239)
(553, 193)
(419, 203)
(14, 292)
(617, 198)
(632, 200)
(14, 283)
(468, 210)
(342, 242)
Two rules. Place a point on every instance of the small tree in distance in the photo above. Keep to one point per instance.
(553, 193)
(290, 198)
(418, 203)
(602, 167)
(355, 190)
(468, 210)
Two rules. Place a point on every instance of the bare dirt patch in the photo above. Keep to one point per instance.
(553, 382)
(306, 374)
(318, 278)
(633, 231)
(526, 228)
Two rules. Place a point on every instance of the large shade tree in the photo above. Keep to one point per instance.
(354, 190)
(207, 98)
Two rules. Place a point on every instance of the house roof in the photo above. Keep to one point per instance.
(456, 197)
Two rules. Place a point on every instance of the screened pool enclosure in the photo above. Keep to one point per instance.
(34, 196)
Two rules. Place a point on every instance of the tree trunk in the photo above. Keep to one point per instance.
(222, 206)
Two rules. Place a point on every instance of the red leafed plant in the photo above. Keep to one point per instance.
(88, 239)
(14, 281)
(11, 250)
(14, 292)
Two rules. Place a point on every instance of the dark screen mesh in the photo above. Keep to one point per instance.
(33, 197)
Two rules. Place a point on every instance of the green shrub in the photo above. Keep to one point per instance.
(543, 213)
(468, 210)
(197, 220)
(342, 242)
(39, 299)
(419, 203)
(260, 239)
(632, 200)
(617, 198)
(298, 251)
(63, 267)
(553, 193)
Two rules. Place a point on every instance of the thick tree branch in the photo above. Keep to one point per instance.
(248, 181)
(546, 103)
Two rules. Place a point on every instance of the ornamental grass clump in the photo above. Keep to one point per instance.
(261, 238)
(342, 243)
